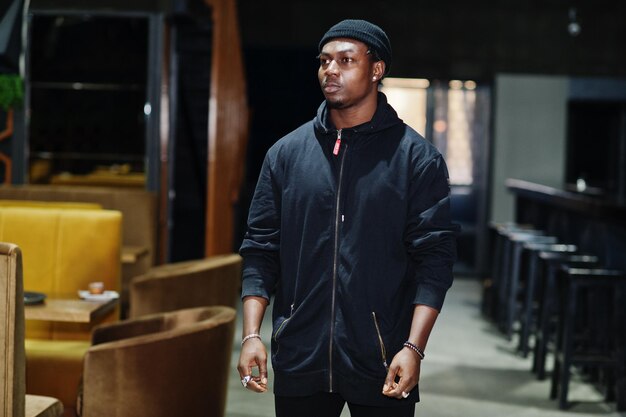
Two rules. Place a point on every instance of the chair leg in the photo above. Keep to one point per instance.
(527, 310)
(608, 378)
(567, 342)
(620, 394)
(564, 385)
(490, 297)
(554, 386)
(540, 335)
(620, 371)
(539, 365)
(544, 325)
(503, 280)
(513, 288)
(536, 352)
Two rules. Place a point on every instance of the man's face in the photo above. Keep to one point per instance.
(346, 72)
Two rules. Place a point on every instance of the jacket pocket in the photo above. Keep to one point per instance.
(381, 343)
(280, 328)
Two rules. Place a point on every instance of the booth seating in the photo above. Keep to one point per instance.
(63, 250)
(162, 365)
(204, 282)
(13, 399)
(138, 208)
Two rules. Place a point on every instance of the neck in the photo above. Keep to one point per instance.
(354, 115)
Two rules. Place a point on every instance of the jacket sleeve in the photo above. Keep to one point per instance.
(260, 248)
(430, 234)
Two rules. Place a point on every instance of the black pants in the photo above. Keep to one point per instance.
(330, 405)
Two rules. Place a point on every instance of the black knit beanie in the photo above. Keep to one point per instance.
(364, 31)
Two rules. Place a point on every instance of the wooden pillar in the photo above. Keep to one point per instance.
(228, 128)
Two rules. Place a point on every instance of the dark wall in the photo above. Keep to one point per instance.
(459, 38)
(283, 93)
(431, 39)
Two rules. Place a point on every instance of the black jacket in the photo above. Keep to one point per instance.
(347, 244)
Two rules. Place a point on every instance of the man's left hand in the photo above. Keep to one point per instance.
(403, 375)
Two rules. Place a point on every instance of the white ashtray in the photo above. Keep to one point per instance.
(105, 296)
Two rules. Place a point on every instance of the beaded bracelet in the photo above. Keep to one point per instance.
(415, 349)
(250, 336)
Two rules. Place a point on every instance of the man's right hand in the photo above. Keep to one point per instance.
(253, 355)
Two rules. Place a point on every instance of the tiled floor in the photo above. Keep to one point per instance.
(470, 371)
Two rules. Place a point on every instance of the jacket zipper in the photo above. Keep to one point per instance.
(280, 328)
(337, 143)
(277, 332)
(383, 351)
(335, 259)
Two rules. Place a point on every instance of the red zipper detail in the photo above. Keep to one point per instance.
(337, 143)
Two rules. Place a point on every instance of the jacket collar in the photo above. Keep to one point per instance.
(384, 117)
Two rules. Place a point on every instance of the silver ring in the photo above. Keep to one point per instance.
(245, 380)
(405, 394)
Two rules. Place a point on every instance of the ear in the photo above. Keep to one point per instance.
(379, 70)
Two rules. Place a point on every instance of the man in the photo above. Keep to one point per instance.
(349, 229)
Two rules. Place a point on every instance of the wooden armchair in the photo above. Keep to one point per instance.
(14, 402)
(204, 282)
(162, 365)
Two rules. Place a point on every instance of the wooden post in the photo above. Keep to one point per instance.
(228, 128)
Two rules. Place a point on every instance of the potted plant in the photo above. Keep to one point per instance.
(11, 91)
(11, 95)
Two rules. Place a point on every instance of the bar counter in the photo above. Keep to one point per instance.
(596, 223)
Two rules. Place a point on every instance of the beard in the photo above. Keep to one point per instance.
(335, 104)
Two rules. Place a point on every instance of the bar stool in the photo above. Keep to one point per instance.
(590, 330)
(529, 291)
(498, 233)
(502, 260)
(548, 301)
(511, 280)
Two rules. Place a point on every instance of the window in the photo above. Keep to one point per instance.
(451, 126)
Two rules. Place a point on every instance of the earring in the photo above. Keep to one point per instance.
(373, 78)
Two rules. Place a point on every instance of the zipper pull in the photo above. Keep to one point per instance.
(337, 143)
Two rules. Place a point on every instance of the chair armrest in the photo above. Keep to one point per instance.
(211, 281)
(111, 332)
(40, 406)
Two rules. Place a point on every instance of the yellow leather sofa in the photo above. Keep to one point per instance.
(138, 208)
(63, 250)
